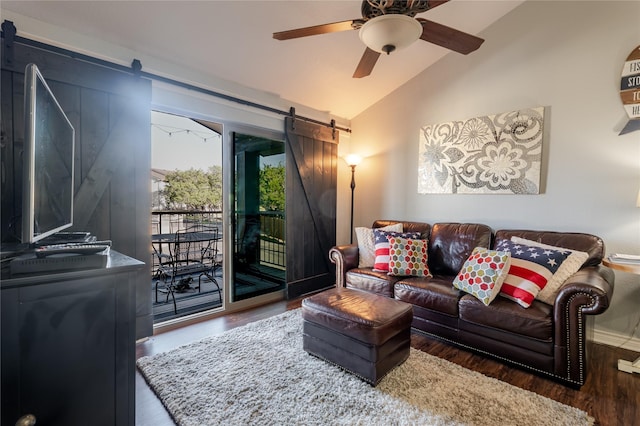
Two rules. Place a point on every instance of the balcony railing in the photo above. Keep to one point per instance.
(272, 226)
(171, 221)
(272, 239)
(270, 257)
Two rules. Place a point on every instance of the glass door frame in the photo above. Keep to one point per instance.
(173, 99)
(228, 212)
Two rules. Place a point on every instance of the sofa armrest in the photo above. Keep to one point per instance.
(587, 292)
(345, 257)
(590, 287)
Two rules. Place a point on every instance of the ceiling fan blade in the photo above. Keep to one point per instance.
(448, 37)
(315, 30)
(366, 64)
(436, 3)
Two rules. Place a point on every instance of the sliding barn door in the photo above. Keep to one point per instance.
(312, 153)
(110, 111)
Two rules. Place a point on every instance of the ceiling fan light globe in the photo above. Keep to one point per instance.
(388, 33)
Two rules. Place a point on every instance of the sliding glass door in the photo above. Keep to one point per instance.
(186, 187)
(258, 220)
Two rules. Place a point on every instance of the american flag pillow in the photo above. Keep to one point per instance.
(381, 242)
(531, 268)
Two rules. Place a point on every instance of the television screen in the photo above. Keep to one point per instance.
(47, 204)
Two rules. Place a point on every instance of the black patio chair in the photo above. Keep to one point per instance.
(192, 251)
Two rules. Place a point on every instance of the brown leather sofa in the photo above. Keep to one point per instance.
(549, 340)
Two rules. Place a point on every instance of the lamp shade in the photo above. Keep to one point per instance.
(353, 159)
(386, 33)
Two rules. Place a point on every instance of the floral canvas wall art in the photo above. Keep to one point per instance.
(491, 154)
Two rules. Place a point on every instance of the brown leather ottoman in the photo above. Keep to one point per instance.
(364, 333)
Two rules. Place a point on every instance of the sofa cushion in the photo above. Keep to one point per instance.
(535, 322)
(408, 257)
(450, 244)
(483, 273)
(531, 268)
(366, 244)
(436, 294)
(381, 238)
(569, 267)
(369, 280)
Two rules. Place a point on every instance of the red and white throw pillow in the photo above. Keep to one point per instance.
(530, 271)
(366, 244)
(381, 242)
(569, 267)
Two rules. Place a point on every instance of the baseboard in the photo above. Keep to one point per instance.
(615, 339)
(309, 285)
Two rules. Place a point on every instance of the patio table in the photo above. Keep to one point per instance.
(190, 252)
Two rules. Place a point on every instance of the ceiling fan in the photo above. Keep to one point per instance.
(389, 25)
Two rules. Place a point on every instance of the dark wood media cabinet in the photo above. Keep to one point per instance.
(68, 345)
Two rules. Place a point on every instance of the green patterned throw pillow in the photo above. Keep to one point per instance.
(483, 273)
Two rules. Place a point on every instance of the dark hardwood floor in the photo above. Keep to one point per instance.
(610, 396)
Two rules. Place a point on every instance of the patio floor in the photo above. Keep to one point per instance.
(191, 301)
(188, 301)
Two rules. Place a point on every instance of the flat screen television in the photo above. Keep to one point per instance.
(48, 157)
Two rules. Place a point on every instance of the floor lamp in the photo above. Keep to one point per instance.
(352, 161)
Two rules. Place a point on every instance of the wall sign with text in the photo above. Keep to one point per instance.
(630, 90)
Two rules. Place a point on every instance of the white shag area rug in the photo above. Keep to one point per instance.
(259, 374)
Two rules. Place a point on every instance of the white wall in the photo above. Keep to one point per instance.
(564, 55)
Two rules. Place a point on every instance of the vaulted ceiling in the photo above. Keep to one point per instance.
(232, 40)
